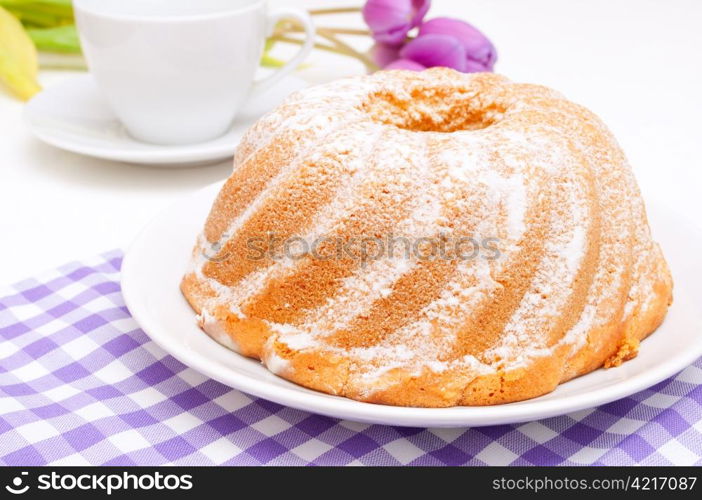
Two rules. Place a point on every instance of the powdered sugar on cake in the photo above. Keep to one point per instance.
(390, 155)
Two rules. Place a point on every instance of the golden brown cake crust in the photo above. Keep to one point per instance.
(436, 155)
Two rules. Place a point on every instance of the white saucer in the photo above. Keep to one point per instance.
(156, 261)
(72, 115)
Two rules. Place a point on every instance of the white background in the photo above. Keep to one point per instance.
(636, 63)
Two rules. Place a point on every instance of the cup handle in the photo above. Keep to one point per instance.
(272, 19)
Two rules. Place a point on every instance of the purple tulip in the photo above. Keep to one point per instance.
(480, 52)
(391, 20)
(475, 67)
(436, 50)
(383, 54)
(406, 64)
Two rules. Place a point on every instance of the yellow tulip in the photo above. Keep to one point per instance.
(18, 57)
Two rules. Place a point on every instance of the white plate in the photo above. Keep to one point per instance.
(156, 261)
(73, 115)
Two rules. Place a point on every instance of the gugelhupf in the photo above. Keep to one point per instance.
(337, 251)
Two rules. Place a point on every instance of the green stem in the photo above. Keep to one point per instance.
(294, 26)
(317, 45)
(346, 31)
(370, 65)
(334, 49)
(334, 10)
(48, 60)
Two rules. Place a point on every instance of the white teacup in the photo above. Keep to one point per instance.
(178, 71)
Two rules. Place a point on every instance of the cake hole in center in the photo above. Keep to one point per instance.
(430, 110)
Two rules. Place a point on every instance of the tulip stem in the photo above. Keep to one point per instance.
(334, 10)
(346, 31)
(51, 60)
(337, 46)
(292, 26)
(295, 41)
(335, 49)
(370, 65)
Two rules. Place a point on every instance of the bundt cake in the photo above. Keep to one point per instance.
(336, 253)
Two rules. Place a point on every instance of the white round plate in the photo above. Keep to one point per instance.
(73, 115)
(156, 261)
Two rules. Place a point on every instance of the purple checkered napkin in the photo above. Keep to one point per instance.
(81, 384)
